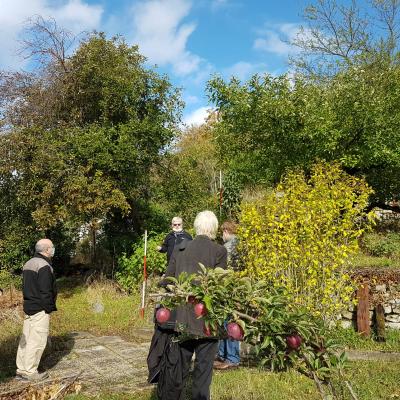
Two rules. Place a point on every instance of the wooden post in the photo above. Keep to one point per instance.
(380, 323)
(363, 321)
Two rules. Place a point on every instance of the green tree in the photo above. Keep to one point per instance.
(80, 135)
(187, 179)
(270, 124)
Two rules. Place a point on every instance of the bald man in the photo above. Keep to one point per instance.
(40, 293)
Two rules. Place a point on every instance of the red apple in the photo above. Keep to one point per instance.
(293, 341)
(163, 315)
(200, 310)
(235, 331)
(191, 299)
(207, 330)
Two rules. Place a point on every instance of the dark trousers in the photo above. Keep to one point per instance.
(205, 351)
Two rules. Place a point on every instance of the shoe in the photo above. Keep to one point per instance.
(225, 366)
(220, 359)
(36, 377)
(217, 363)
(20, 377)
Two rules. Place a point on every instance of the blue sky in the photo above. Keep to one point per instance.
(189, 40)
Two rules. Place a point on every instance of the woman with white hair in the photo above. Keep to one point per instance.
(205, 251)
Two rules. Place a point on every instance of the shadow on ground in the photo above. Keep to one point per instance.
(57, 348)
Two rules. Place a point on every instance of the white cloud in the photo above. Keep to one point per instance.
(275, 38)
(243, 70)
(161, 35)
(197, 117)
(73, 15)
(216, 4)
(189, 99)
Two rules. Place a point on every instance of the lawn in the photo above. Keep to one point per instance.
(370, 381)
(77, 303)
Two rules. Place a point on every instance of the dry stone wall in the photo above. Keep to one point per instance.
(384, 288)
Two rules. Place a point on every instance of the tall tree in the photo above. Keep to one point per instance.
(338, 34)
(81, 132)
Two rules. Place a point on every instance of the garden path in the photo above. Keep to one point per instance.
(104, 363)
(111, 364)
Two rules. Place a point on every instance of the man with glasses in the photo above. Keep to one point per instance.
(174, 238)
(40, 293)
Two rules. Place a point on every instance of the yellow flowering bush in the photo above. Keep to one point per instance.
(300, 235)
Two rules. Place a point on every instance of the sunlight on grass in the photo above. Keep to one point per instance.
(350, 339)
(120, 315)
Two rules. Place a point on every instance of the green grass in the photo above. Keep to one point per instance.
(350, 339)
(75, 313)
(362, 260)
(370, 381)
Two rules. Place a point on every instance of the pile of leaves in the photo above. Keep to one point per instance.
(46, 391)
(284, 334)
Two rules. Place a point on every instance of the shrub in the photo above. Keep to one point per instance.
(130, 269)
(379, 245)
(7, 279)
(300, 235)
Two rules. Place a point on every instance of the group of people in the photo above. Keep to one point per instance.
(169, 358)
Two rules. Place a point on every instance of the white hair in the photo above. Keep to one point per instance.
(206, 223)
(176, 220)
(42, 245)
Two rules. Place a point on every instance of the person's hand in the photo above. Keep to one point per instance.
(159, 248)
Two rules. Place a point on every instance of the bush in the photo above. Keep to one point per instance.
(379, 245)
(7, 279)
(300, 236)
(130, 269)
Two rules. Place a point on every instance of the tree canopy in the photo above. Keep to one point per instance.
(79, 136)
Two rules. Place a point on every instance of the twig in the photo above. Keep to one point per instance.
(64, 387)
(319, 386)
(245, 316)
(353, 395)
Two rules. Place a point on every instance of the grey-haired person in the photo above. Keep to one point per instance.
(40, 294)
(174, 238)
(201, 250)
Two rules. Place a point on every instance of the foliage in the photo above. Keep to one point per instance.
(130, 268)
(79, 138)
(270, 123)
(186, 180)
(266, 315)
(301, 234)
(7, 280)
(231, 197)
(382, 245)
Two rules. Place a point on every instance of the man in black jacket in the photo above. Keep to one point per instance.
(186, 259)
(174, 238)
(40, 293)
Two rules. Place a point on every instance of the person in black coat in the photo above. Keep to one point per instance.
(174, 238)
(186, 259)
(40, 294)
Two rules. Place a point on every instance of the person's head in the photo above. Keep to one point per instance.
(229, 230)
(177, 224)
(206, 223)
(45, 247)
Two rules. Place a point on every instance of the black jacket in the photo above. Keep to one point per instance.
(39, 285)
(201, 250)
(173, 239)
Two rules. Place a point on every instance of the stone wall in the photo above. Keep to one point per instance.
(384, 288)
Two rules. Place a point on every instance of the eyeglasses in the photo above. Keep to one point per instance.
(176, 224)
